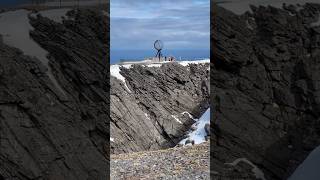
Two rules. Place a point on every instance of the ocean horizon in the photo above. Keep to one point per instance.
(180, 54)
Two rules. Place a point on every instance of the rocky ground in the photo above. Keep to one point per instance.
(265, 87)
(189, 162)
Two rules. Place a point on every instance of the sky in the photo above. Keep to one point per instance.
(180, 24)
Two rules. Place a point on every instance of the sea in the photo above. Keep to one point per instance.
(117, 56)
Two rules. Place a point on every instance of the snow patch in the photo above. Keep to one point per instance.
(154, 65)
(199, 134)
(115, 72)
(111, 139)
(15, 29)
(149, 63)
(190, 116)
(309, 168)
(257, 171)
(175, 117)
(186, 63)
(55, 14)
(147, 116)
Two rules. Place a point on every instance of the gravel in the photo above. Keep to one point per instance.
(188, 162)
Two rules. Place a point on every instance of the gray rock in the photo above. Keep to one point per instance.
(149, 116)
(47, 135)
(266, 88)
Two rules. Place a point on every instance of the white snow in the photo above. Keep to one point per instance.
(149, 63)
(183, 63)
(154, 65)
(115, 72)
(111, 139)
(15, 28)
(175, 117)
(257, 172)
(309, 169)
(129, 62)
(147, 116)
(186, 63)
(190, 116)
(55, 14)
(198, 135)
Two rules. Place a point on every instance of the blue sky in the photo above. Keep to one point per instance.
(180, 24)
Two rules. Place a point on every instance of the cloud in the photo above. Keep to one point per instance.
(181, 24)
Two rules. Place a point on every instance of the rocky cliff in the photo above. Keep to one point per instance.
(265, 90)
(55, 107)
(48, 132)
(155, 106)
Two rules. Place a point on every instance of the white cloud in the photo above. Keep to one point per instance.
(140, 22)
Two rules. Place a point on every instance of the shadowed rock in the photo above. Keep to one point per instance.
(266, 87)
(46, 135)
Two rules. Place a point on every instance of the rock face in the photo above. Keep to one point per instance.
(49, 133)
(265, 87)
(147, 112)
(46, 133)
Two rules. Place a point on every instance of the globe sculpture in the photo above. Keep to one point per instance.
(158, 45)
